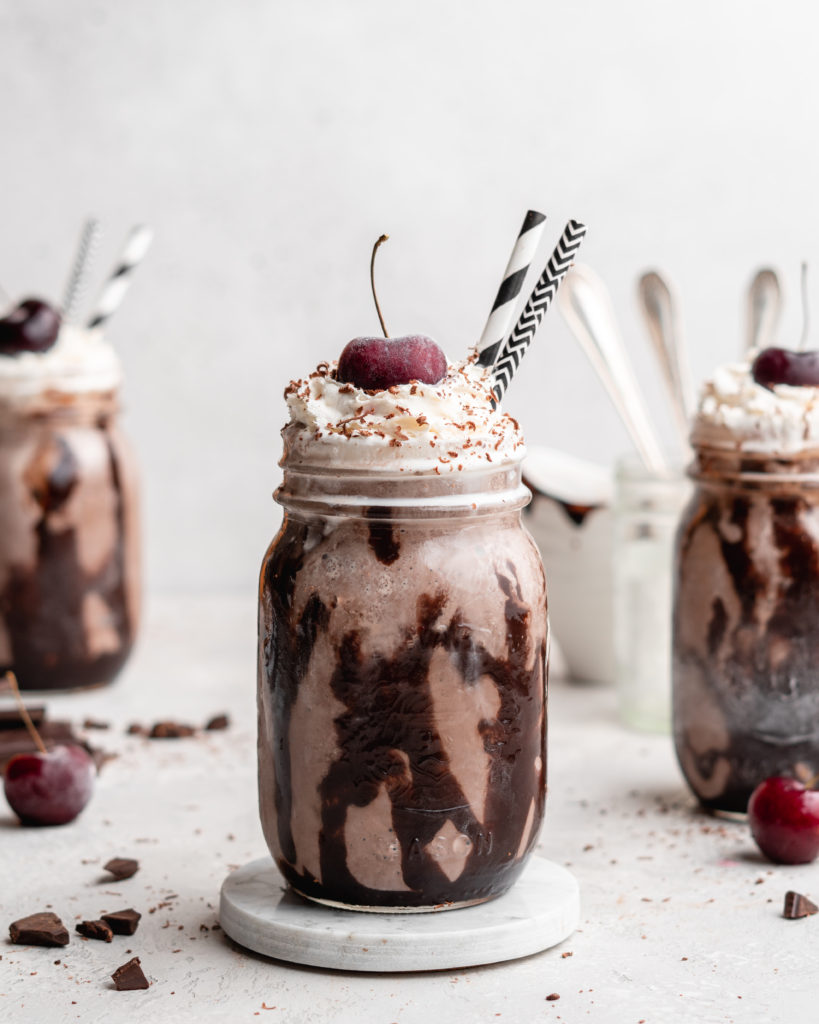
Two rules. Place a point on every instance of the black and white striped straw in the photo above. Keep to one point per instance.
(119, 282)
(520, 339)
(83, 261)
(503, 308)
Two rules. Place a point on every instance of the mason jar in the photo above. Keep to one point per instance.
(647, 510)
(402, 687)
(746, 623)
(69, 539)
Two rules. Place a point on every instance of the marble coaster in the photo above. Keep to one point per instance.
(260, 912)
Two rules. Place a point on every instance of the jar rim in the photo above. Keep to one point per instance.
(410, 495)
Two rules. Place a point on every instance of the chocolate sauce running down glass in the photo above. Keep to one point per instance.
(69, 572)
(746, 624)
(402, 685)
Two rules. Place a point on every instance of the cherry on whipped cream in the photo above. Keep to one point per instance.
(375, 364)
(32, 326)
(782, 366)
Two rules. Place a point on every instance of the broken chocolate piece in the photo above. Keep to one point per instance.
(135, 729)
(122, 922)
(95, 930)
(94, 723)
(44, 929)
(797, 905)
(17, 741)
(170, 731)
(552, 997)
(10, 717)
(122, 867)
(218, 722)
(129, 976)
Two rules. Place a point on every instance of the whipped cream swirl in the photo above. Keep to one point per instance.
(734, 410)
(79, 362)
(444, 428)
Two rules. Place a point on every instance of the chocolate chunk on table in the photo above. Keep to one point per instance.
(218, 722)
(122, 867)
(129, 976)
(17, 741)
(122, 922)
(797, 905)
(44, 929)
(170, 731)
(10, 717)
(96, 930)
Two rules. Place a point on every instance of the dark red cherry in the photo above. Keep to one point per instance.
(375, 364)
(784, 818)
(782, 366)
(32, 326)
(50, 788)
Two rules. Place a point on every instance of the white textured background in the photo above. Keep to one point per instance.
(269, 142)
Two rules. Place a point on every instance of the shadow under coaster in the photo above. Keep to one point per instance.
(259, 911)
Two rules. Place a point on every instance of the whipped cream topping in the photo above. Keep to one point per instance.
(444, 428)
(735, 410)
(80, 361)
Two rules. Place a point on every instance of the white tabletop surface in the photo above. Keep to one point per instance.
(680, 916)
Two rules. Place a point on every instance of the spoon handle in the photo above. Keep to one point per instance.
(764, 309)
(585, 305)
(659, 309)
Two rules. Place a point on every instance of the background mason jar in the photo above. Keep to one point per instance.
(647, 508)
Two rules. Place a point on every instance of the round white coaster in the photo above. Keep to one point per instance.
(258, 910)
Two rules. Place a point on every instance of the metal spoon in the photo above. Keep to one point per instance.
(764, 309)
(660, 308)
(586, 307)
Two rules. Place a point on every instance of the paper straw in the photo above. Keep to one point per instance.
(520, 339)
(503, 308)
(119, 282)
(83, 261)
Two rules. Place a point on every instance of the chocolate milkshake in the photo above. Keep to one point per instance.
(69, 559)
(746, 619)
(402, 647)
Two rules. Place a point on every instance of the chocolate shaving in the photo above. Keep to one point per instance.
(122, 867)
(94, 723)
(797, 905)
(129, 976)
(95, 930)
(122, 922)
(44, 929)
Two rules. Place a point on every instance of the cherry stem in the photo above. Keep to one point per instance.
(805, 316)
(11, 681)
(383, 238)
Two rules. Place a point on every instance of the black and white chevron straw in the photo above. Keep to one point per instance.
(500, 316)
(83, 260)
(119, 282)
(519, 340)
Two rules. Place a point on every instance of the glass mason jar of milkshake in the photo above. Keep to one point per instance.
(69, 544)
(402, 647)
(746, 619)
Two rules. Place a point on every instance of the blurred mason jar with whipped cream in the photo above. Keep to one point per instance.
(69, 521)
